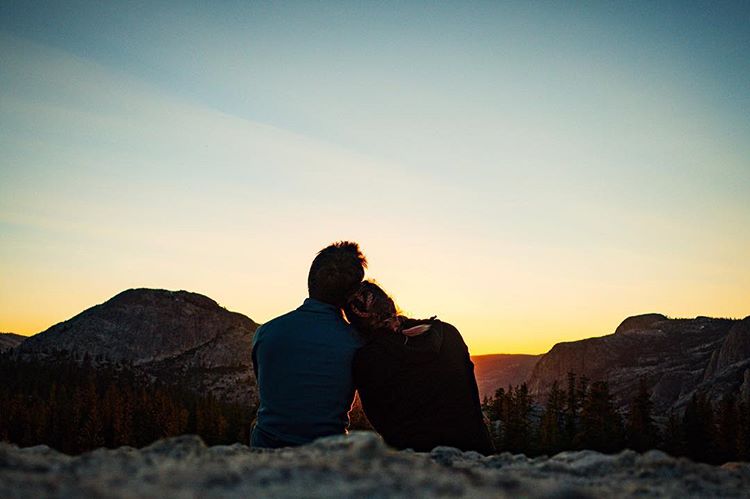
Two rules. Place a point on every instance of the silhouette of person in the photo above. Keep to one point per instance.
(303, 359)
(415, 377)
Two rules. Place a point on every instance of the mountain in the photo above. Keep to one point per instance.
(187, 338)
(500, 370)
(10, 340)
(675, 357)
(173, 336)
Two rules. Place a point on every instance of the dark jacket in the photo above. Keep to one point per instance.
(420, 392)
(302, 362)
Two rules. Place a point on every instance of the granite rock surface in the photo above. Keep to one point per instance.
(10, 340)
(674, 357)
(171, 336)
(358, 465)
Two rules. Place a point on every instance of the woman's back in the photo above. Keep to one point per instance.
(420, 392)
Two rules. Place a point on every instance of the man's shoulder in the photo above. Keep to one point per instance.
(274, 324)
(298, 318)
(280, 320)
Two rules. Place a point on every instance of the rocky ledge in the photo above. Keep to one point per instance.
(358, 465)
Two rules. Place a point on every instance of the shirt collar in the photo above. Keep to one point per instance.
(313, 305)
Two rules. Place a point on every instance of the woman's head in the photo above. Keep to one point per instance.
(370, 309)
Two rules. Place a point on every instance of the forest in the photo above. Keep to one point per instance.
(75, 405)
(582, 415)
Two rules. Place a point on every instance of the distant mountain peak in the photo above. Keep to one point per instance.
(177, 336)
(145, 296)
(675, 357)
(639, 322)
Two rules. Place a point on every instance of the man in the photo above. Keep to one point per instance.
(303, 359)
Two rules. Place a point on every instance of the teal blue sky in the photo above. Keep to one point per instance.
(532, 172)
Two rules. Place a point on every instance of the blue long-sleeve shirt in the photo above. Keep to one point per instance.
(303, 365)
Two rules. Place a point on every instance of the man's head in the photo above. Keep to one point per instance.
(336, 272)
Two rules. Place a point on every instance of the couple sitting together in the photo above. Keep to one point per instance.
(415, 378)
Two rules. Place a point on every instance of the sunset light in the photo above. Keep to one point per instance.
(394, 249)
(530, 178)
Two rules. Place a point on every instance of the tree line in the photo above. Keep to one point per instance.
(582, 415)
(75, 406)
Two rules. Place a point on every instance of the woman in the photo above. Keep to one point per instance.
(415, 378)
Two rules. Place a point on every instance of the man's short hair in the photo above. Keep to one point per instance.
(336, 272)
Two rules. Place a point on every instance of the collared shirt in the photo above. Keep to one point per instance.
(303, 365)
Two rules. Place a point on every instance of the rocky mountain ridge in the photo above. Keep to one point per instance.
(10, 340)
(500, 370)
(187, 338)
(173, 336)
(675, 357)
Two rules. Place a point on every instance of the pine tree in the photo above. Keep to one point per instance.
(552, 423)
(601, 424)
(642, 433)
(698, 429)
(91, 433)
(672, 442)
(727, 430)
(743, 432)
(499, 409)
(572, 407)
(518, 427)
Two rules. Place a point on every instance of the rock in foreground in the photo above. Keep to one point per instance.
(359, 465)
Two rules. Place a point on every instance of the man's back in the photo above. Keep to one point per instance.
(303, 365)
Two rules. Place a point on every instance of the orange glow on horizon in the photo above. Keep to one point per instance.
(524, 213)
(511, 335)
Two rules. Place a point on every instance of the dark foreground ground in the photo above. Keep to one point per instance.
(357, 466)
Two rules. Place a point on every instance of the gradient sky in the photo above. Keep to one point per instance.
(530, 172)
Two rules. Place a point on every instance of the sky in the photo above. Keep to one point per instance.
(531, 172)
